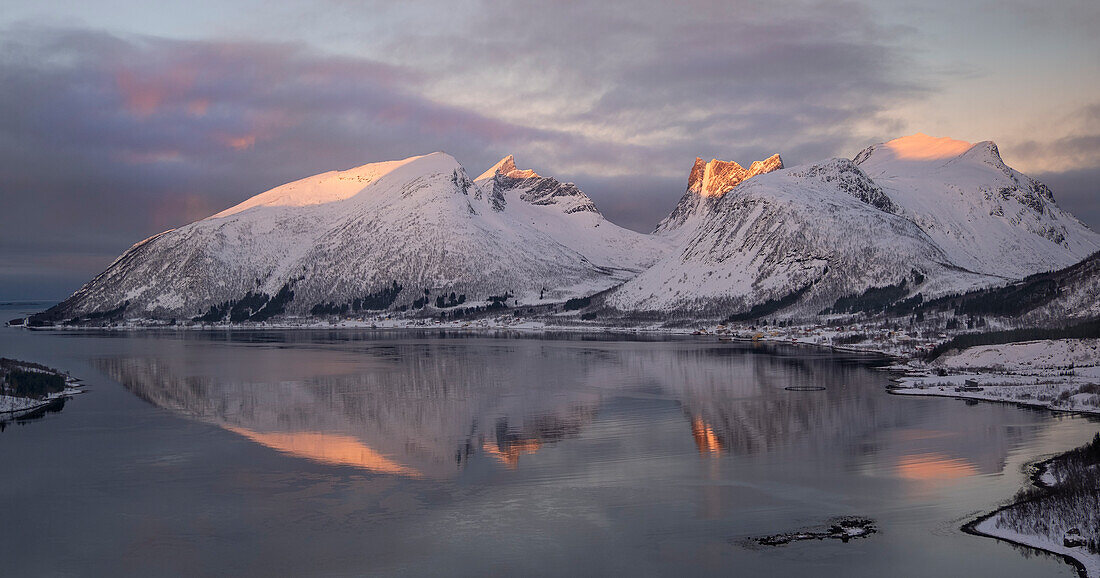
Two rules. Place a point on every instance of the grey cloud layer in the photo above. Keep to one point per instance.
(106, 139)
(732, 79)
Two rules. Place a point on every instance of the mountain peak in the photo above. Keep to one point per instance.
(709, 182)
(985, 151)
(915, 150)
(921, 147)
(916, 147)
(772, 163)
(507, 167)
(717, 178)
(334, 186)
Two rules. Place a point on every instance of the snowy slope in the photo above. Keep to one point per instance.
(420, 222)
(987, 217)
(1043, 299)
(823, 231)
(1025, 356)
(1077, 297)
(943, 210)
(522, 198)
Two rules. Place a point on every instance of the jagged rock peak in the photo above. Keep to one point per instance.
(717, 178)
(772, 163)
(507, 167)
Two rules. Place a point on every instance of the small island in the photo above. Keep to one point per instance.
(26, 388)
(842, 529)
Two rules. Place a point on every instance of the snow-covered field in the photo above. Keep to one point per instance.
(1059, 374)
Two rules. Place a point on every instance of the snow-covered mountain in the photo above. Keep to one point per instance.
(1076, 294)
(376, 237)
(805, 235)
(987, 217)
(913, 215)
(562, 212)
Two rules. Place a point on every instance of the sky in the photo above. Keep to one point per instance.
(120, 119)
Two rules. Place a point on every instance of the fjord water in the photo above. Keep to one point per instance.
(417, 453)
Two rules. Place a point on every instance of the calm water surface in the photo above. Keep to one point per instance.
(357, 452)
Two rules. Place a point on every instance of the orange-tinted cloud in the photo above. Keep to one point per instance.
(145, 93)
(141, 98)
(238, 143)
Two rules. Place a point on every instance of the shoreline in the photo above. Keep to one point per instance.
(1061, 375)
(526, 327)
(14, 408)
(990, 399)
(1035, 478)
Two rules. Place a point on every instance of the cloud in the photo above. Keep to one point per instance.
(117, 137)
(727, 79)
(113, 139)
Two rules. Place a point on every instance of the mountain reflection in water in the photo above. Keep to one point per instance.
(357, 452)
(425, 408)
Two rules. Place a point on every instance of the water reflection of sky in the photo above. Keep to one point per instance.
(352, 453)
(426, 407)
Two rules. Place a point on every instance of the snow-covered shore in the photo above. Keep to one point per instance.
(15, 407)
(1062, 375)
(1049, 519)
(870, 338)
(1090, 563)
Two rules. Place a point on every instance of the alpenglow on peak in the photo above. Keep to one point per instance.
(717, 178)
(507, 167)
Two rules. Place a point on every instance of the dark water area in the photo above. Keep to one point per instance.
(414, 453)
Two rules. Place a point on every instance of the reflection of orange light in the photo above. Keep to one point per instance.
(926, 467)
(334, 449)
(512, 450)
(705, 438)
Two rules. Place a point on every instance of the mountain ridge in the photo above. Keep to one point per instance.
(915, 215)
